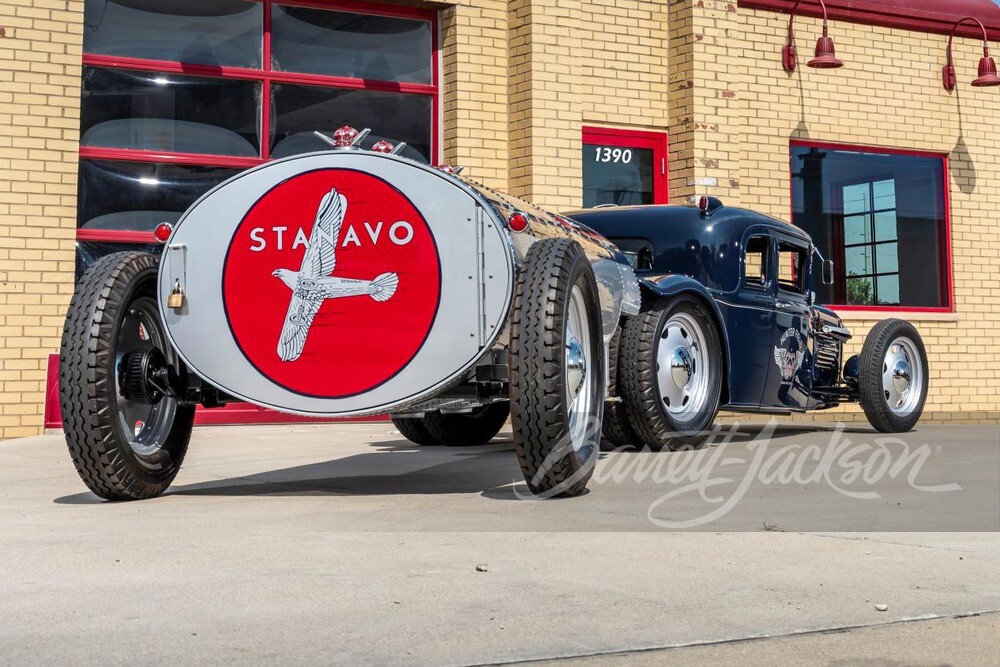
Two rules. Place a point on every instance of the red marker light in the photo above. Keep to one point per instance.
(383, 147)
(162, 232)
(446, 168)
(703, 204)
(517, 222)
(345, 136)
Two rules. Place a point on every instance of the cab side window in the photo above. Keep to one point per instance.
(792, 267)
(755, 262)
(638, 251)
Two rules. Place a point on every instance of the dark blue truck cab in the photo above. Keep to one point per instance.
(748, 277)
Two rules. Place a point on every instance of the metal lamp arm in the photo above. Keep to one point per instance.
(954, 29)
(791, 19)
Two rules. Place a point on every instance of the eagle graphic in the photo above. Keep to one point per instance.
(312, 284)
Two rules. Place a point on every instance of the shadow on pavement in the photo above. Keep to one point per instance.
(397, 467)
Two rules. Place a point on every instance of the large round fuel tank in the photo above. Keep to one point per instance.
(338, 283)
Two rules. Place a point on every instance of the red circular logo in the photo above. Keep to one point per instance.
(331, 283)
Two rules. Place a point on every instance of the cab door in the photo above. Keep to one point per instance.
(749, 313)
(789, 380)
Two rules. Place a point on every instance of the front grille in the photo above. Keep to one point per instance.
(827, 354)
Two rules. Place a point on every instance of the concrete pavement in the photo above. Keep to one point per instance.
(344, 544)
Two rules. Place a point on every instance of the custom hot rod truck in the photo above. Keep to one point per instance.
(357, 282)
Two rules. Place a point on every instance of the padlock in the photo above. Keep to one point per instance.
(176, 298)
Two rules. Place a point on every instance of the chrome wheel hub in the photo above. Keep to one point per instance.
(902, 376)
(577, 361)
(682, 367)
(576, 367)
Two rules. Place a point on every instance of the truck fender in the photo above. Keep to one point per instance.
(672, 285)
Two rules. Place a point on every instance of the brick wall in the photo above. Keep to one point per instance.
(576, 63)
(39, 134)
(475, 82)
(888, 94)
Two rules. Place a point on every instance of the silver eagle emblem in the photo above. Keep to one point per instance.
(312, 284)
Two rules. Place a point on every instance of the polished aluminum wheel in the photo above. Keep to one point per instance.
(579, 367)
(902, 376)
(682, 367)
(145, 426)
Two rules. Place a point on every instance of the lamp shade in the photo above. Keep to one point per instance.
(826, 55)
(987, 73)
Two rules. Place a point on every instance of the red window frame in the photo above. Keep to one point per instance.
(645, 139)
(944, 233)
(266, 76)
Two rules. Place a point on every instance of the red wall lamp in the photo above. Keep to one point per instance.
(987, 66)
(826, 54)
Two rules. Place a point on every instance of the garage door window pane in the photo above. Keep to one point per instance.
(169, 112)
(204, 32)
(617, 175)
(359, 46)
(134, 196)
(299, 110)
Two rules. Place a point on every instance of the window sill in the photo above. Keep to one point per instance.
(909, 315)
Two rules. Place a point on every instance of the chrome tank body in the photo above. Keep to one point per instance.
(349, 282)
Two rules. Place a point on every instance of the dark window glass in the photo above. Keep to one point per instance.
(301, 110)
(135, 196)
(639, 253)
(89, 252)
(617, 175)
(316, 41)
(791, 267)
(880, 218)
(204, 32)
(755, 260)
(169, 112)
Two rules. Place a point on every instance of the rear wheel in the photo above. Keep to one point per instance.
(414, 430)
(894, 376)
(671, 372)
(467, 429)
(127, 440)
(556, 368)
(616, 426)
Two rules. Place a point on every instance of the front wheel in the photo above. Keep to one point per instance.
(893, 381)
(556, 368)
(126, 441)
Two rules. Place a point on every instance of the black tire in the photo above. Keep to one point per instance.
(415, 430)
(874, 397)
(467, 429)
(616, 426)
(557, 447)
(648, 410)
(118, 289)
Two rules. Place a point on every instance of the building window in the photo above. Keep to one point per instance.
(180, 95)
(624, 167)
(882, 217)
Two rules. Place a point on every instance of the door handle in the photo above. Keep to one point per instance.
(784, 305)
